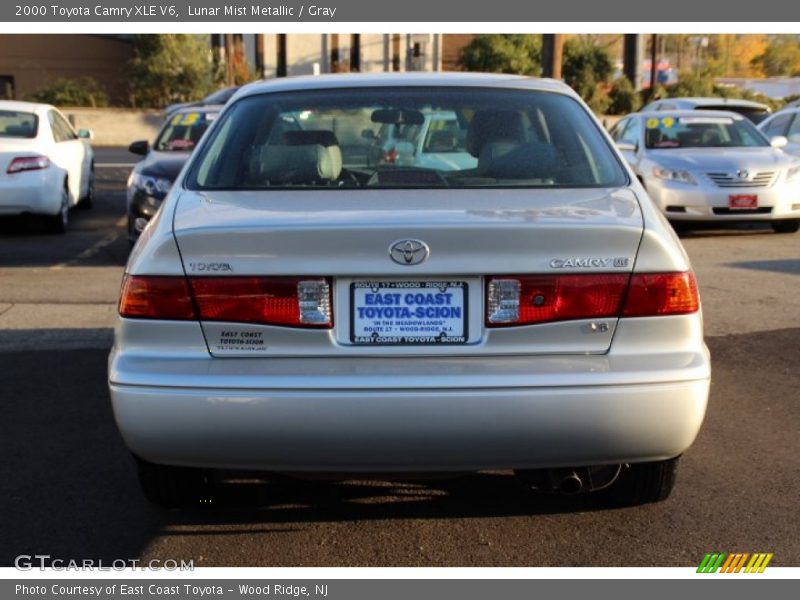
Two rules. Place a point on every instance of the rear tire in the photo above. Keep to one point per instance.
(786, 226)
(174, 487)
(57, 223)
(87, 202)
(644, 483)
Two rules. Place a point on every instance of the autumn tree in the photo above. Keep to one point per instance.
(780, 58)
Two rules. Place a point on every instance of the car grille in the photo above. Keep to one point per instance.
(731, 180)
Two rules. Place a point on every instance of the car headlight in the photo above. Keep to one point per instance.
(674, 175)
(152, 186)
(793, 174)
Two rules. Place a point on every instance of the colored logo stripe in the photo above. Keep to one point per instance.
(734, 562)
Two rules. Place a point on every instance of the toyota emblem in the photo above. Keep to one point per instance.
(409, 252)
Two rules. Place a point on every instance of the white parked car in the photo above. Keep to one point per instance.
(46, 167)
(712, 166)
(785, 123)
(283, 312)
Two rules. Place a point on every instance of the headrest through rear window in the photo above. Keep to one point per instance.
(492, 126)
(306, 164)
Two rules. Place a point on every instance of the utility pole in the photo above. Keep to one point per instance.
(632, 59)
(552, 54)
(653, 63)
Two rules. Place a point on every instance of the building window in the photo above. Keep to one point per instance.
(395, 52)
(281, 69)
(6, 87)
(355, 52)
(335, 66)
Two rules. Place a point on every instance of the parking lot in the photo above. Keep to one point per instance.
(70, 489)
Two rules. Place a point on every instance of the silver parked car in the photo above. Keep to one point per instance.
(712, 166)
(785, 123)
(755, 111)
(285, 313)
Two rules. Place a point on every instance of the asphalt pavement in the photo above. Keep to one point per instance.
(70, 489)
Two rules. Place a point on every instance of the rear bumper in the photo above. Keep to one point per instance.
(384, 429)
(36, 192)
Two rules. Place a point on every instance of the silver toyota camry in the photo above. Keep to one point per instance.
(294, 307)
(712, 166)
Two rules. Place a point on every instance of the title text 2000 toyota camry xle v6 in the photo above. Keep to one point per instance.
(291, 309)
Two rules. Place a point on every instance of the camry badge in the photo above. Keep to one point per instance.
(409, 252)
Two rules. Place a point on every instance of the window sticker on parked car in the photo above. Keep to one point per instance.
(706, 120)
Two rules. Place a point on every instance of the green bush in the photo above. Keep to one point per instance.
(500, 53)
(623, 99)
(587, 69)
(170, 68)
(71, 92)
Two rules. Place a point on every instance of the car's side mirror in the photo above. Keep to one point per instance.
(86, 134)
(627, 147)
(141, 147)
(778, 141)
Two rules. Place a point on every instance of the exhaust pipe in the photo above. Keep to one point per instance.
(570, 483)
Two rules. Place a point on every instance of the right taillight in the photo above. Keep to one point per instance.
(514, 300)
(28, 163)
(656, 294)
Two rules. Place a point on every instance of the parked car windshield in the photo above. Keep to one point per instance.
(183, 130)
(668, 132)
(322, 139)
(14, 124)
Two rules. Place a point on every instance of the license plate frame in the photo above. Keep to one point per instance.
(359, 337)
(742, 201)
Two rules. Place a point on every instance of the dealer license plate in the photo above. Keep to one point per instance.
(742, 201)
(408, 312)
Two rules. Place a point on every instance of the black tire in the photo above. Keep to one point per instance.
(786, 226)
(87, 202)
(643, 483)
(57, 224)
(175, 487)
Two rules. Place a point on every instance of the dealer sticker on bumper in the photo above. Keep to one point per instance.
(409, 312)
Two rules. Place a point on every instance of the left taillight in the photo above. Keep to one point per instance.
(153, 297)
(286, 301)
(28, 163)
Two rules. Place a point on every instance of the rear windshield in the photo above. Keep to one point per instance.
(14, 124)
(182, 131)
(385, 137)
(666, 132)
